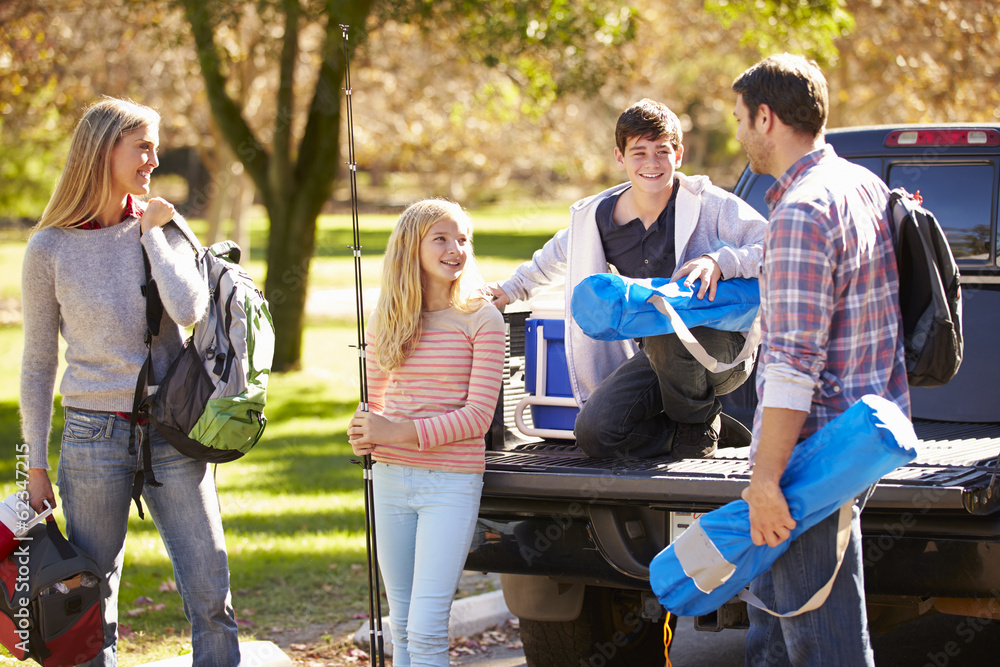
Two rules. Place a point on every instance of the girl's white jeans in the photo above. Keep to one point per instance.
(424, 521)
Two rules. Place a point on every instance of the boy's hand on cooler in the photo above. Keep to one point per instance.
(702, 268)
(158, 213)
(500, 298)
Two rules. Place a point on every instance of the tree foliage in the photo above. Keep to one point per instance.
(58, 56)
(470, 130)
(545, 47)
(471, 123)
(918, 61)
(809, 27)
(294, 167)
(472, 98)
(36, 104)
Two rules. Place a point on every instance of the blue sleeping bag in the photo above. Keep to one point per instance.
(714, 559)
(608, 306)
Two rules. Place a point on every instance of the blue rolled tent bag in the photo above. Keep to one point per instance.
(608, 306)
(714, 559)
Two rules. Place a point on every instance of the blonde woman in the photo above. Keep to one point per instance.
(82, 277)
(435, 362)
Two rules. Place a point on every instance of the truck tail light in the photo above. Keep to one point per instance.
(943, 138)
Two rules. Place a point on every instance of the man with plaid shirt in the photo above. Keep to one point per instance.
(833, 333)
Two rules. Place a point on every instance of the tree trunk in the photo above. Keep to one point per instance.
(290, 252)
(242, 200)
(292, 192)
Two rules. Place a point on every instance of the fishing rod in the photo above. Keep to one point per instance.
(374, 587)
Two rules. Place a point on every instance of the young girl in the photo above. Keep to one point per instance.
(82, 277)
(435, 363)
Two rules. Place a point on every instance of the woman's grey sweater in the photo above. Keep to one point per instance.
(86, 285)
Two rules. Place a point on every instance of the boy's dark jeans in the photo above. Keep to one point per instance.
(633, 411)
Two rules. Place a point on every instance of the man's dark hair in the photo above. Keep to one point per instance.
(793, 87)
(648, 119)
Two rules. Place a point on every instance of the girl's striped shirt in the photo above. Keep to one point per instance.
(448, 386)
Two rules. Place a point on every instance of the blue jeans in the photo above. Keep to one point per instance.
(836, 634)
(633, 411)
(95, 488)
(424, 520)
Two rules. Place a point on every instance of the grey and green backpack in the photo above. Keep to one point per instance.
(210, 403)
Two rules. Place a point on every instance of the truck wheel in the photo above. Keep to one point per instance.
(608, 633)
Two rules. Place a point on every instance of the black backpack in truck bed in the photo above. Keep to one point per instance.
(930, 296)
(51, 607)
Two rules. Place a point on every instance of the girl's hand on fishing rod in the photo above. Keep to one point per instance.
(362, 450)
(368, 430)
(357, 434)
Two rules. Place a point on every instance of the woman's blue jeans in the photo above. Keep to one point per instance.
(95, 488)
(424, 521)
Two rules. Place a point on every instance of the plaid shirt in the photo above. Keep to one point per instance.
(829, 293)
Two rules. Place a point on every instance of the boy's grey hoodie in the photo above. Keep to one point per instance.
(708, 221)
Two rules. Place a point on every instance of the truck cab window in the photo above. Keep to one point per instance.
(955, 193)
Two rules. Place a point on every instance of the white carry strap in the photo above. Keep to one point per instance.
(696, 349)
(34, 521)
(817, 600)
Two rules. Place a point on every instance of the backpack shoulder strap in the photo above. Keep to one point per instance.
(227, 250)
(154, 315)
(186, 233)
(896, 195)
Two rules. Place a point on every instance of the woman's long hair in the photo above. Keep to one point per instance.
(396, 318)
(84, 186)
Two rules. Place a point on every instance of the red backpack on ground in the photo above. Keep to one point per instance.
(51, 607)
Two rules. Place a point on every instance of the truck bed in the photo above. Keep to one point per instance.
(956, 461)
(954, 471)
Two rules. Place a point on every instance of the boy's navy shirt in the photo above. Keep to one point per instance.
(637, 252)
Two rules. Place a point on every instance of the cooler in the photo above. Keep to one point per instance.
(546, 379)
(16, 518)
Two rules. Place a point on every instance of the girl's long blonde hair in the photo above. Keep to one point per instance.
(396, 318)
(84, 186)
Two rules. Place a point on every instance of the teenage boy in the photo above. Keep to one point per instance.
(660, 224)
(833, 333)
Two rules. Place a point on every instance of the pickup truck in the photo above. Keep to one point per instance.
(572, 536)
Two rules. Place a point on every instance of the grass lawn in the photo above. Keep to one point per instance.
(293, 507)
